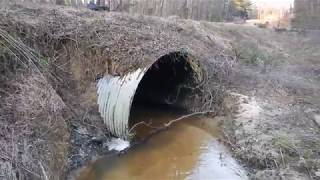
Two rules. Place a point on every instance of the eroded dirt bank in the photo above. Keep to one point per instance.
(275, 122)
(270, 116)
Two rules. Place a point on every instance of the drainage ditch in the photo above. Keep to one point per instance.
(150, 98)
(189, 149)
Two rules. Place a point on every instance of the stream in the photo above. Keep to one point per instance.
(189, 149)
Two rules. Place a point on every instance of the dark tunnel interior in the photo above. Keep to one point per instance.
(166, 83)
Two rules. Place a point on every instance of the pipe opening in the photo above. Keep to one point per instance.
(167, 84)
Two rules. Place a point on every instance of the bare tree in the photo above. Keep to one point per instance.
(60, 2)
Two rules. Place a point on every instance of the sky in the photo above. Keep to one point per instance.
(274, 3)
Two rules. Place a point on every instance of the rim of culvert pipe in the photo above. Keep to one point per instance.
(116, 94)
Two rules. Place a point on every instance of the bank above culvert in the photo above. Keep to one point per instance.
(85, 46)
(80, 49)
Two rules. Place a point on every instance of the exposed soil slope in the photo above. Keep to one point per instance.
(275, 124)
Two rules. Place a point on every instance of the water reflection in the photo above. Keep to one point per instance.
(188, 150)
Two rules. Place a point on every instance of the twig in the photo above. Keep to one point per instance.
(284, 165)
(186, 116)
(142, 123)
(83, 119)
(43, 171)
(167, 125)
(275, 162)
(19, 165)
(229, 141)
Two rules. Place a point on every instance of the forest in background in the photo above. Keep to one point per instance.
(209, 10)
(303, 14)
(307, 14)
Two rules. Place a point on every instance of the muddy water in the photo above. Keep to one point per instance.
(187, 150)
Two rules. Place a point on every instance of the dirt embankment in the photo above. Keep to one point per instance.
(271, 118)
(52, 57)
(274, 127)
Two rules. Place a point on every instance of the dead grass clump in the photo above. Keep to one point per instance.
(33, 131)
(33, 128)
(249, 53)
(262, 25)
(217, 75)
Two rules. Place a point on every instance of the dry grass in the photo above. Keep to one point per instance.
(33, 130)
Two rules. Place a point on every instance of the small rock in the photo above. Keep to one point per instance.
(317, 119)
(97, 140)
(82, 131)
(318, 173)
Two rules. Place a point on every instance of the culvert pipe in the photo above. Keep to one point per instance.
(169, 80)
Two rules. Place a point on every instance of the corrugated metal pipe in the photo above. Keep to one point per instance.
(169, 80)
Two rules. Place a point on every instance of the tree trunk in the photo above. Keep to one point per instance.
(60, 2)
(102, 2)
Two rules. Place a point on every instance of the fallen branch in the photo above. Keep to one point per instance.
(142, 123)
(186, 116)
(166, 125)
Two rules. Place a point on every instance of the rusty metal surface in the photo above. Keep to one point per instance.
(115, 96)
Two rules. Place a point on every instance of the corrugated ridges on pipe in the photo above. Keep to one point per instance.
(116, 93)
(115, 96)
